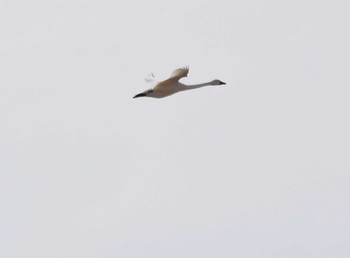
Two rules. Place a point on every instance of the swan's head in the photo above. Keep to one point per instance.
(217, 82)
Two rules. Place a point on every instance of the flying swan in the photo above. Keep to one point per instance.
(172, 85)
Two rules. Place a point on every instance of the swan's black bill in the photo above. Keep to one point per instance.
(222, 83)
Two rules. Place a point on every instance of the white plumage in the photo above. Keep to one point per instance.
(161, 89)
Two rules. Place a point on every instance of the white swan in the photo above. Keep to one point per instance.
(172, 85)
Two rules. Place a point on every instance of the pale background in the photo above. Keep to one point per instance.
(257, 168)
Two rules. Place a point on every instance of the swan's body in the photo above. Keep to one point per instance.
(172, 85)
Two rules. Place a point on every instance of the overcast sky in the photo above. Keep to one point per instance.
(259, 167)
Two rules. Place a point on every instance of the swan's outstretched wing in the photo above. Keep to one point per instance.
(151, 79)
(179, 73)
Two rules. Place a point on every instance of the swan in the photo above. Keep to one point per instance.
(172, 85)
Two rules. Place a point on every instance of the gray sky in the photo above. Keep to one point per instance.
(257, 168)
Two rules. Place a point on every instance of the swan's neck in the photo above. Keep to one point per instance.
(195, 86)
